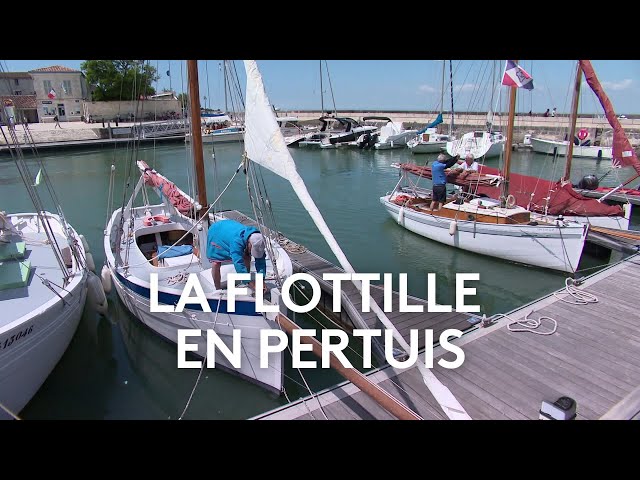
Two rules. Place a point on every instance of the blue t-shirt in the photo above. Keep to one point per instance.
(227, 240)
(437, 170)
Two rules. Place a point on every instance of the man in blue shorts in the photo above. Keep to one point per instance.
(439, 178)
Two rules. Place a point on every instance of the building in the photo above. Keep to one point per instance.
(18, 87)
(59, 91)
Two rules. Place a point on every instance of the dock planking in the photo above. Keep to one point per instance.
(592, 358)
(309, 262)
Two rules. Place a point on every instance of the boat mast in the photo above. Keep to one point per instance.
(321, 93)
(196, 133)
(572, 130)
(507, 147)
(442, 88)
(224, 78)
(451, 83)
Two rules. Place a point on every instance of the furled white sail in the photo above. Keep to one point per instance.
(265, 145)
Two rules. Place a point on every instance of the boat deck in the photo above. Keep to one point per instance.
(309, 262)
(21, 301)
(593, 358)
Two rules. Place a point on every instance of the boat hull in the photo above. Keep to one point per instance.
(32, 345)
(427, 147)
(551, 147)
(556, 248)
(167, 325)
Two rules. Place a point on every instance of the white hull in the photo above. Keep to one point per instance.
(32, 345)
(427, 147)
(395, 141)
(479, 144)
(557, 248)
(614, 222)
(167, 325)
(551, 147)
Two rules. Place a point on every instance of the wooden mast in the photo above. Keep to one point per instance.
(574, 117)
(507, 147)
(196, 133)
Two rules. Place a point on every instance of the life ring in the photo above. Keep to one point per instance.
(511, 201)
(583, 133)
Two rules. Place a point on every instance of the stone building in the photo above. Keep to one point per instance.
(18, 88)
(59, 91)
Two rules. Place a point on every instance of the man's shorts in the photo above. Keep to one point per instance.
(439, 193)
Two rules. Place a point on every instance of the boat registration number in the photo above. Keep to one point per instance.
(6, 343)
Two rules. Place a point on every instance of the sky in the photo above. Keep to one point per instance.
(401, 84)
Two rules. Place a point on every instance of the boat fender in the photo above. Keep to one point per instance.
(401, 215)
(453, 227)
(85, 244)
(91, 265)
(105, 276)
(95, 294)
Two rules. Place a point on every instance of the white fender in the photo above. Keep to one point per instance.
(453, 227)
(105, 276)
(401, 215)
(95, 294)
(85, 244)
(91, 265)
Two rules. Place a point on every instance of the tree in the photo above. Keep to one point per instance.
(184, 100)
(119, 79)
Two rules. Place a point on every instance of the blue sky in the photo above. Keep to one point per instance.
(402, 84)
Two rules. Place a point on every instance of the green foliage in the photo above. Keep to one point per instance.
(184, 100)
(119, 79)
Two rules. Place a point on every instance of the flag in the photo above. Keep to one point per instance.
(38, 178)
(515, 76)
(52, 94)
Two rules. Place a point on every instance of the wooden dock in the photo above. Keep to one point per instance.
(309, 262)
(593, 358)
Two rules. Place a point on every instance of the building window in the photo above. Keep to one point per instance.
(47, 87)
(18, 92)
(66, 87)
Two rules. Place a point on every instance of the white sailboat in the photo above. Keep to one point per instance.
(555, 147)
(428, 140)
(497, 228)
(478, 143)
(133, 239)
(43, 288)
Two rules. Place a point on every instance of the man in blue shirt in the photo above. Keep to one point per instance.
(439, 178)
(228, 240)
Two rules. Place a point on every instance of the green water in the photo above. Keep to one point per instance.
(115, 368)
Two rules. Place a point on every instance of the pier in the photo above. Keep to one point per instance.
(592, 358)
(308, 262)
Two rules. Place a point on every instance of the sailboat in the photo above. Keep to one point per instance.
(136, 243)
(428, 140)
(43, 287)
(495, 227)
(266, 147)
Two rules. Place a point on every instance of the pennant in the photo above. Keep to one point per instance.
(516, 76)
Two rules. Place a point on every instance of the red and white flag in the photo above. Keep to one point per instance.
(52, 94)
(516, 76)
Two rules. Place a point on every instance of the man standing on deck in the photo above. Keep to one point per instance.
(440, 180)
(228, 240)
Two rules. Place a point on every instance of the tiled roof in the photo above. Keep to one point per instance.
(54, 69)
(15, 75)
(20, 101)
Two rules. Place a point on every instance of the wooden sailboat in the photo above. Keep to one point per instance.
(495, 227)
(136, 242)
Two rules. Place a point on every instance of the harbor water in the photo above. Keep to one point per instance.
(115, 368)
